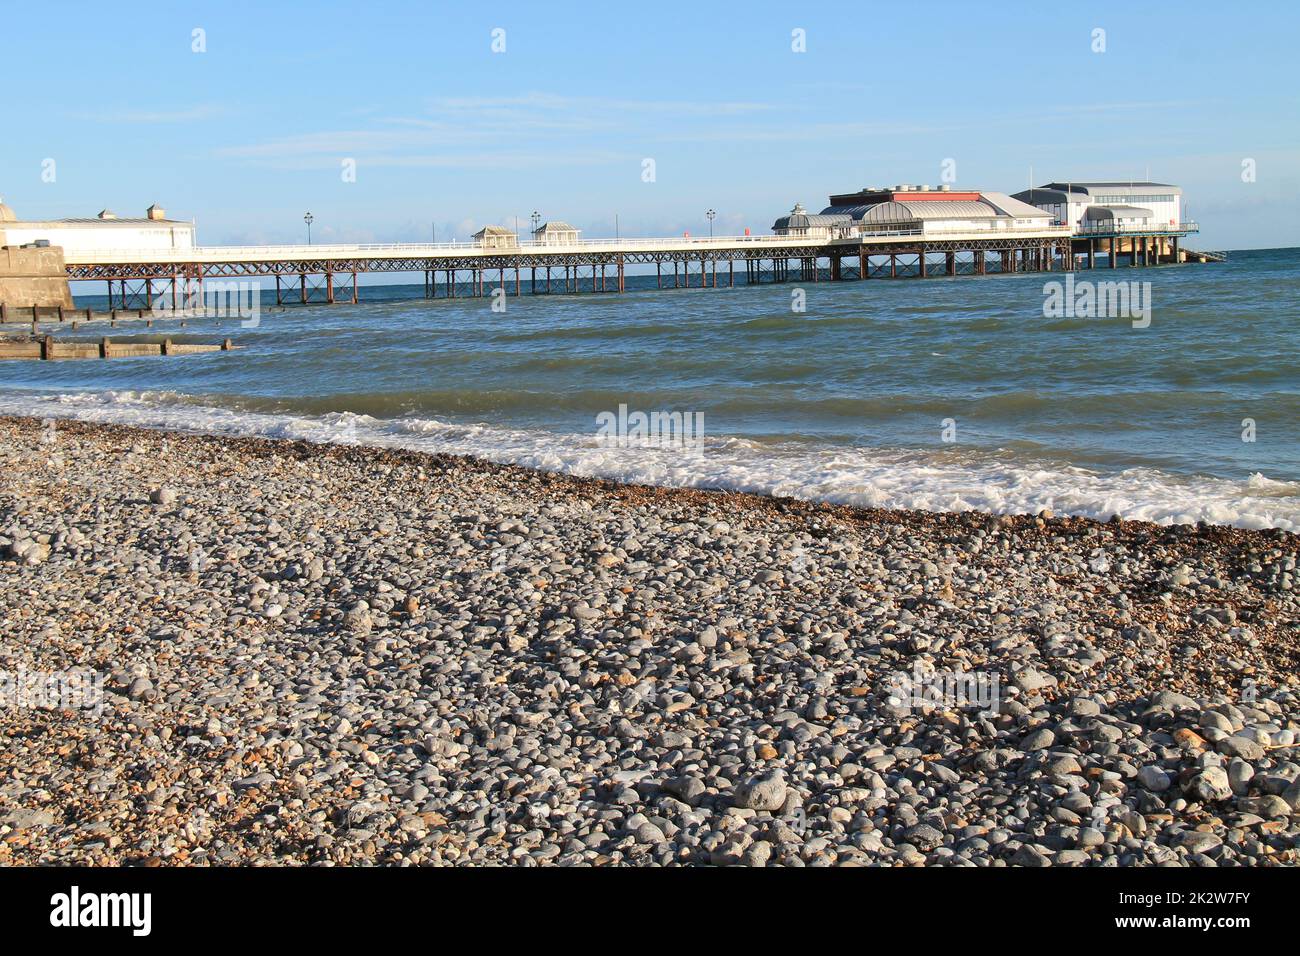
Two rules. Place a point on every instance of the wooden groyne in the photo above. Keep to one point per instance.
(47, 349)
(59, 317)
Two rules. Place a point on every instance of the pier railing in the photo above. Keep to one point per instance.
(1124, 228)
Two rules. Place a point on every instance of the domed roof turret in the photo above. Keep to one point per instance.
(6, 213)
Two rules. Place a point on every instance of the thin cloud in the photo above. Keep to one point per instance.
(585, 104)
(190, 115)
(529, 124)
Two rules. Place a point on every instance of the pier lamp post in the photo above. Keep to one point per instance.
(536, 217)
(711, 215)
(308, 219)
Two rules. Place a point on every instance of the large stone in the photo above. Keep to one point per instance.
(25, 819)
(687, 789)
(1210, 784)
(1154, 778)
(1029, 855)
(764, 792)
(1037, 739)
(1292, 794)
(1030, 680)
(923, 836)
(1243, 747)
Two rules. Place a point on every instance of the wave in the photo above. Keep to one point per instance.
(948, 480)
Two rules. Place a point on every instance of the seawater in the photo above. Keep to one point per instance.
(940, 394)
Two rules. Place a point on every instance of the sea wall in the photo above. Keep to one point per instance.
(33, 276)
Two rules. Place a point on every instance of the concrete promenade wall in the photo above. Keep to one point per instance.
(33, 277)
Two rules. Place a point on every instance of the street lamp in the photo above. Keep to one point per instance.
(308, 219)
(711, 215)
(536, 217)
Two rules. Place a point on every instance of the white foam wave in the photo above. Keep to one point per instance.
(866, 477)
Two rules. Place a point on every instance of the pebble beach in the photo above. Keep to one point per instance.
(339, 655)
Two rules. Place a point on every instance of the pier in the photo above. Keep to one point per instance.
(900, 232)
(328, 273)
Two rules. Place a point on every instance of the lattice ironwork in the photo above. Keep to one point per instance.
(587, 271)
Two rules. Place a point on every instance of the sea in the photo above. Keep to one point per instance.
(997, 393)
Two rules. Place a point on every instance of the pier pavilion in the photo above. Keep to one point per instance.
(1142, 221)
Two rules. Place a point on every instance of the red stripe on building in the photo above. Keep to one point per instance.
(929, 196)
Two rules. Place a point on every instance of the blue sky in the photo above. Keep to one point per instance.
(446, 133)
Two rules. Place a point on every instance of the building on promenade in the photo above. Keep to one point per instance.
(106, 231)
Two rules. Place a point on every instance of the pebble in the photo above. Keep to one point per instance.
(1211, 784)
(349, 656)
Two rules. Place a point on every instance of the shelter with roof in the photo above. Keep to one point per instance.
(803, 225)
(496, 237)
(555, 233)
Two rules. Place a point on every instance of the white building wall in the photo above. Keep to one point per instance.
(1164, 215)
(92, 236)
